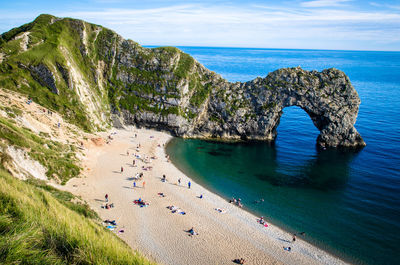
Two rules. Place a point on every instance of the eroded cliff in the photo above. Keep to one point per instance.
(91, 74)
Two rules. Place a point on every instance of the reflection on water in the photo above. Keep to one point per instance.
(329, 170)
(326, 170)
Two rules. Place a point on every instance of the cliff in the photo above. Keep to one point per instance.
(92, 75)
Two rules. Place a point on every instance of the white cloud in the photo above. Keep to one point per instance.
(252, 26)
(324, 3)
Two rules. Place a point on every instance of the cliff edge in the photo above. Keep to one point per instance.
(93, 76)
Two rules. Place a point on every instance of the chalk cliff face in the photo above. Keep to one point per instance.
(93, 76)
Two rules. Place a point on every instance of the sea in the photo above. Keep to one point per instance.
(346, 202)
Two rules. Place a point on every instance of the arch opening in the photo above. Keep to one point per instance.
(296, 128)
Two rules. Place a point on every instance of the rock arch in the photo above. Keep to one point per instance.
(327, 97)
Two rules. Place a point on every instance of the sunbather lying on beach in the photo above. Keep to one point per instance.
(110, 222)
(220, 210)
(141, 202)
(175, 209)
(192, 232)
(108, 206)
(287, 248)
(239, 261)
(161, 194)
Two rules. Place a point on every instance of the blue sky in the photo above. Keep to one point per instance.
(307, 24)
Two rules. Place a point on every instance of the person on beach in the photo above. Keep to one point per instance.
(189, 184)
(287, 248)
(179, 181)
(201, 196)
(164, 178)
(294, 238)
(127, 152)
(192, 232)
(144, 184)
(122, 169)
(106, 197)
(133, 162)
(134, 184)
(239, 261)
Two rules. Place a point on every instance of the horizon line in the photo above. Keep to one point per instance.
(264, 48)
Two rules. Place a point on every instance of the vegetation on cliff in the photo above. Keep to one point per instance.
(40, 225)
(91, 75)
(59, 159)
(88, 73)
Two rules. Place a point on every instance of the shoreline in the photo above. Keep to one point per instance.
(159, 234)
(251, 212)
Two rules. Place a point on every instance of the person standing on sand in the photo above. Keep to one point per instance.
(189, 184)
(106, 197)
(122, 169)
(133, 162)
(179, 181)
(294, 238)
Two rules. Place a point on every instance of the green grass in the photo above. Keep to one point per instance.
(59, 159)
(45, 42)
(149, 81)
(36, 227)
(65, 198)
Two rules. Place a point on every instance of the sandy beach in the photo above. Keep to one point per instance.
(161, 234)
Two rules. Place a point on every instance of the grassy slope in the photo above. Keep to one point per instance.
(59, 159)
(44, 48)
(38, 226)
(148, 83)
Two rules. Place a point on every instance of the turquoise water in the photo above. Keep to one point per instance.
(346, 202)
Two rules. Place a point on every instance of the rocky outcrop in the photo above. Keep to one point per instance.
(44, 76)
(167, 89)
(327, 97)
(233, 111)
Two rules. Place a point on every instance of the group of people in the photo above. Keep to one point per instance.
(293, 240)
(164, 179)
(141, 202)
(175, 209)
(262, 221)
(191, 232)
(238, 202)
(108, 206)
